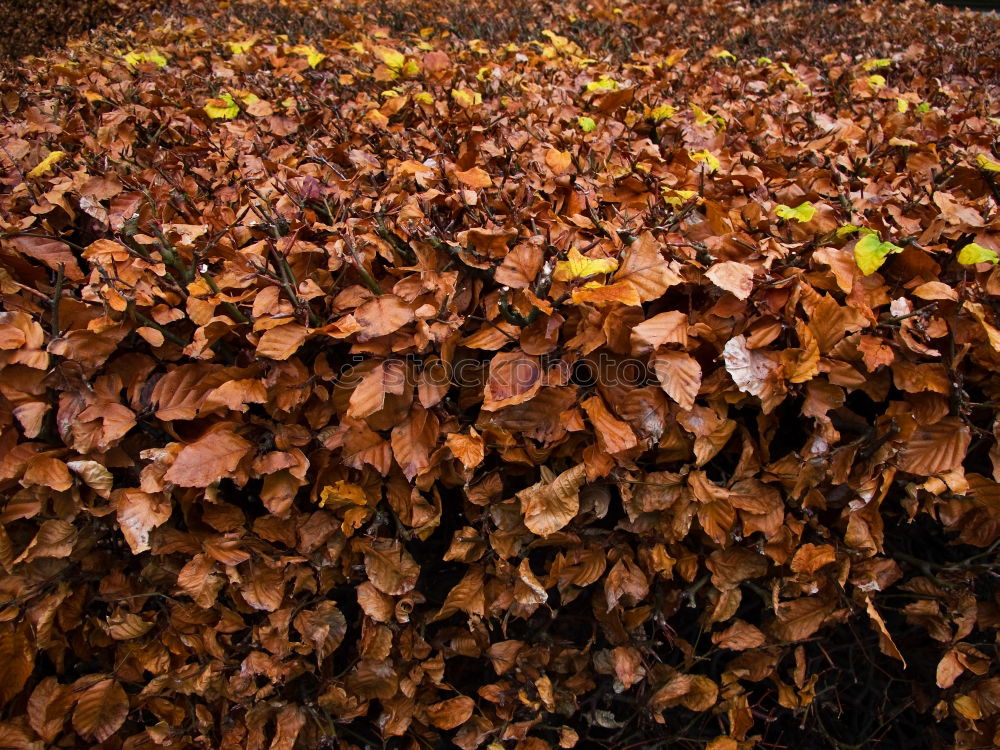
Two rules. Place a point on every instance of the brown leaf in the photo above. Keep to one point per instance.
(451, 713)
(124, 626)
(739, 636)
(800, 618)
(886, 644)
(17, 654)
(211, 457)
(644, 268)
(754, 373)
(936, 448)
(52, 253)
(613, 435)
(467, 596)
(514, 378)
(809, 557)
(139, 513)
(390, 568)
(197, 580)
(736, 278)
(382, 316)
(553, 502)
(100, 710)
(474, 178)
(47, 708)
(520, 266)
(281, 342)
(679, 375)
(469, 449)
(665, 328)
(560, 162)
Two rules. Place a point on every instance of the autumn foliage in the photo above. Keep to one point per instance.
(430, 374)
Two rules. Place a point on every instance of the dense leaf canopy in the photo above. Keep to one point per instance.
(501, 375)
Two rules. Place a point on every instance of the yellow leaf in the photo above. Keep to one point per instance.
(313, 56)
(803, 212)
(902, 105)
(93, 96)
(410, 68)
(390, 57)
(876, 82)
(676, 197)
(467, 99)
(223, 108)
(701, 117)
(47, 163)
(137, 58)
(870, 253)
(241, 48)
(975, 253)
(586, 124)
(663, 112)
(604, 84)
(987, 164)
(423, 97)
(559, 42)
(871, 64)
(708, 157)
(579, 266)
(341, 493)
(724, 55)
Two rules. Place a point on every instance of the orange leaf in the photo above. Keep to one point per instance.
(560, 162)
(451, 713)
(474, 178)
(282, 342)
(211, 457)
(553, 502)
(679, 375)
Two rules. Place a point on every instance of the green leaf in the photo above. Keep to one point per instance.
(870, 253)
(586, 124)
(974, 253)
(801, 213)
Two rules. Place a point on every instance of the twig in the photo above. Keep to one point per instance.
(56, 296)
